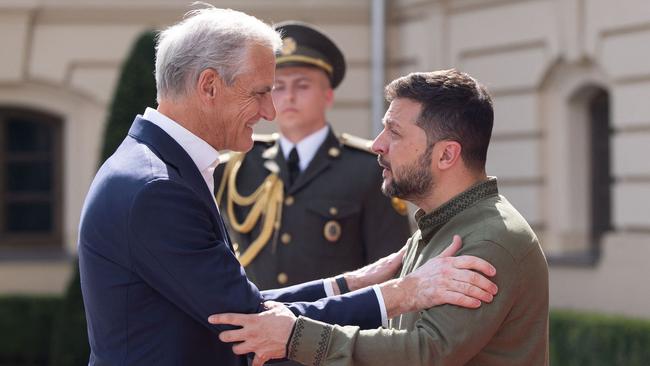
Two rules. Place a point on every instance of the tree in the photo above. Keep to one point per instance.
(135, 91)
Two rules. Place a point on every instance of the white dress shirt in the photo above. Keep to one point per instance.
(204, 156)
(306, 147)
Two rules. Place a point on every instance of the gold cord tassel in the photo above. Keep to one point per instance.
(266, 202)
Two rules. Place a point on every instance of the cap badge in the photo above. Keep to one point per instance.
(288, 46)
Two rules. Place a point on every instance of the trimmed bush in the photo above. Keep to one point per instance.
(581, 339)
(135, 91)
(25, 329)
(577, 339)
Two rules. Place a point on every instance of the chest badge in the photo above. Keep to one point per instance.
(332, 231)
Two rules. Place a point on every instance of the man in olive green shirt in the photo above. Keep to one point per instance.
(433, 150)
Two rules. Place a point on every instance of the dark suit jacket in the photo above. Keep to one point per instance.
(341, 187)
(156, 261)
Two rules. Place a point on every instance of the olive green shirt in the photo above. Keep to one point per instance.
(512, 330)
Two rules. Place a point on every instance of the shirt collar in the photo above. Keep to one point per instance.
(430, 223)
(202, 154)
(306, 147)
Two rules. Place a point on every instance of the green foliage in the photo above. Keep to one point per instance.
(25, 328)
(577, 339)
(135, 91)
(580, 339)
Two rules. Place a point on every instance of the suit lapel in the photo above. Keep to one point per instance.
(172, 153)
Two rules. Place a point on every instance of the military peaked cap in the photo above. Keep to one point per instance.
(302, 44)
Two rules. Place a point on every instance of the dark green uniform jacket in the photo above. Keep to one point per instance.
(334, 217)
(510, 331)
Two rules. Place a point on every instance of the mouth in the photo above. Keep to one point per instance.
(290, 110)
(383, 163)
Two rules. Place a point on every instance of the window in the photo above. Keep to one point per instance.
(30, 179)
(601, 181)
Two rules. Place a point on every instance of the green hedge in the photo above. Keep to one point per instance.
(26, 328)
(579, 339)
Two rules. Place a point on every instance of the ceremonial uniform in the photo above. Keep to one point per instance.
(332, 219)
(324, 215)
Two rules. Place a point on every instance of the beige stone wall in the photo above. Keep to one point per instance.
(63, 57)
(536, 57)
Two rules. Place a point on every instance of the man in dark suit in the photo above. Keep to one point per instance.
(155, 257)
(332, 216)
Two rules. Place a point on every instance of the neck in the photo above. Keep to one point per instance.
(448, 186)
(295, 135)
(185, 113)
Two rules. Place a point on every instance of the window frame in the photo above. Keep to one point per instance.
(33, 240)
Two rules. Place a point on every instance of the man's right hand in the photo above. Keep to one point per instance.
(444, 279)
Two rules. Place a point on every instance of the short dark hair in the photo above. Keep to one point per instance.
(454, 107)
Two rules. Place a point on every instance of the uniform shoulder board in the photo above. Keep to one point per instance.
(356, 142)
(268, 138)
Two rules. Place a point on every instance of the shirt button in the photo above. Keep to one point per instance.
(282, 278)
(289, 200)
(334, 211)
(285, 238)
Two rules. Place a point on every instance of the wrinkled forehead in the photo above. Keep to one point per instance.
(402, 111)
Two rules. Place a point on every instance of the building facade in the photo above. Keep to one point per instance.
(570, 81)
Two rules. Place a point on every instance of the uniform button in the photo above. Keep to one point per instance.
(285, 238)
(282, 278)
(334, 211)
(334, 152)
(235, 246)
(289, 200)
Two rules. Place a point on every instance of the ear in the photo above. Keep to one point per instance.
(208, 84)
(449, 154)
(329, 97)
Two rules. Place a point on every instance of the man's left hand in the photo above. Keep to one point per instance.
(266, 334)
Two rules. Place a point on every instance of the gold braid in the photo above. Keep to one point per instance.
(266, 201)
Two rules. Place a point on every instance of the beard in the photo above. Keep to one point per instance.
(412, 181)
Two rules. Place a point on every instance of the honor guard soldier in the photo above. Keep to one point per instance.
(305, 203)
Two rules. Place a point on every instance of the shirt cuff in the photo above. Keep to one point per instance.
(327, 285)
(382, 306)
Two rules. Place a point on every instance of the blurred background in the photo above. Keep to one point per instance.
(570, 81)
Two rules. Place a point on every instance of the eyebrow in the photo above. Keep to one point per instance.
(390, 123)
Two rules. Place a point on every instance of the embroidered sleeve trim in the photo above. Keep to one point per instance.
(295, 338)
(321, 350)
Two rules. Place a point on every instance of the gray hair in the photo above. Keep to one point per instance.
(208, 38)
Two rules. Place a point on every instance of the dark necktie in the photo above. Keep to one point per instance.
(293, 165)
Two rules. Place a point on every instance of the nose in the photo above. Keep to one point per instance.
(267, 109)
(379, 145)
